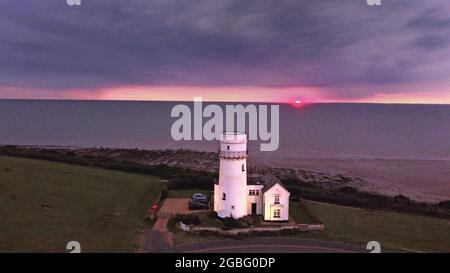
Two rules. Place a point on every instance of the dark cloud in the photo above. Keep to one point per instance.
(48, 44)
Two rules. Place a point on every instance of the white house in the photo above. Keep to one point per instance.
(234, 196)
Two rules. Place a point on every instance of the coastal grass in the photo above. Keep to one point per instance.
(44, 205)
(207, 221)
(181, 178)
(352, 197)
(186, 193)
(299, 214)
(395, 231)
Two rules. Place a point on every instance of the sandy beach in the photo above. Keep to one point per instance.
(422, 180)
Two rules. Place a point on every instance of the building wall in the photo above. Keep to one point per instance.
(254, 199)
(216, 195)
(232, 179)
(270, 206)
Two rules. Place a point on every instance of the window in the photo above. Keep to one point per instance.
(232, 207)
(243, 167)
(276, 213)
(224, 196)
(277, 199)
(228, 147)
(253, 192)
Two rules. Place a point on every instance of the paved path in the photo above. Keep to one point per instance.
(154, 241)
(159, 239)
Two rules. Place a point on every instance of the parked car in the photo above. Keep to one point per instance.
(200, 197)
(195, 205)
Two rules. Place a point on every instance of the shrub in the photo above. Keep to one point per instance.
(348, 190)
(164, 194)
(402, 199)
(213, 215)
(444, 204)
(172, 223)
(200, 181)
(188, 219)
(243, 222)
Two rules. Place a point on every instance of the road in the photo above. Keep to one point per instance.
(270, 245)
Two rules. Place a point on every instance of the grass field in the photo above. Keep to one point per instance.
(186, 193)
(395, 231)
(299, 214)
(45, 204)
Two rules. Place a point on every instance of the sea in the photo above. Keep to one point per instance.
(312, 131)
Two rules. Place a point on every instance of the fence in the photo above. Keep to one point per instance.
(300, 228)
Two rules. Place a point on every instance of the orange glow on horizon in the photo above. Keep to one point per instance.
(213, 94)
(295, 96)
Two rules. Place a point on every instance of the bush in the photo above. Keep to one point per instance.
(213, 215)
(182, 182)
(348, 190)
(243, 223)
(230, 222)
(444, 204)
(164, 194)
(402, 199)
(188, 219)
(171, 224)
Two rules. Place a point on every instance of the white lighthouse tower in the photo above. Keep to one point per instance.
(230, 194)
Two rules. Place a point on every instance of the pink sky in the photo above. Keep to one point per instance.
(234, 94)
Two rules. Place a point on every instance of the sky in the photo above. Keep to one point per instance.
(226, 50)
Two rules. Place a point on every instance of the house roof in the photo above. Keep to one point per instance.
(272, 183)
(254, 180)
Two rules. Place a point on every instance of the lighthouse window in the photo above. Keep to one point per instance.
(277, 199)
(224, 196)
(243, 167)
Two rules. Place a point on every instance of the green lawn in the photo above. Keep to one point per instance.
(299, 214)
(101, 209)
(395, 231)
(186, 193)
(207, 221)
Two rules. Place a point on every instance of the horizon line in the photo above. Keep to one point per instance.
(218, 101)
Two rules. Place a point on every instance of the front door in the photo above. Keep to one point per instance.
(253, 208)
